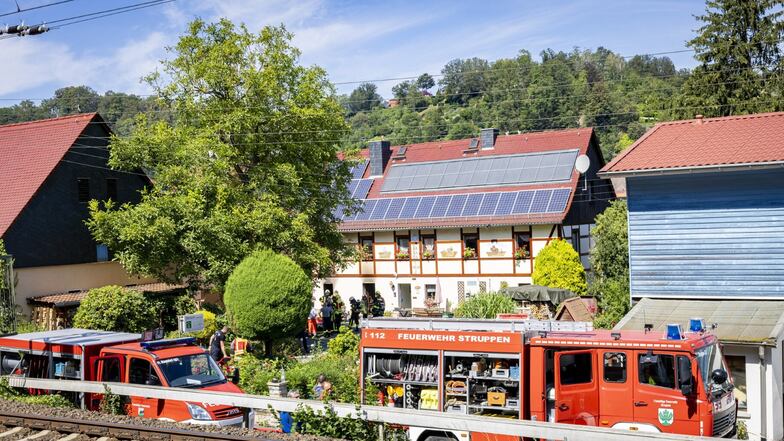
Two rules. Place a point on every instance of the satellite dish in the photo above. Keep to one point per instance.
(582, 163)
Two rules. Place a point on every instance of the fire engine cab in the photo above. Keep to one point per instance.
(565, 372)
(81, 354)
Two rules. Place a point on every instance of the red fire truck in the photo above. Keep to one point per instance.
(566, 372)
(80, 354)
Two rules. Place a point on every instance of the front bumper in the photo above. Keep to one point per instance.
(235, 422)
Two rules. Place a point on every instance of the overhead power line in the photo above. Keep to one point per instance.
(18, 10)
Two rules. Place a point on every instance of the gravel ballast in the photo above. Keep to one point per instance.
(78, 415)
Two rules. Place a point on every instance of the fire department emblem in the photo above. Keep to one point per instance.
(666, 416)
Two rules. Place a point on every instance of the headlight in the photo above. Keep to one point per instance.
(197, 412)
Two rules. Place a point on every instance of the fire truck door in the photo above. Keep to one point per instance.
(658, 400)
(141, 371)
(110, 369)
(576, 388)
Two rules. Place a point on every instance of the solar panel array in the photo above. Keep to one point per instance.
(532, 168)
(358, 170)
(464, 205)
(359, 188)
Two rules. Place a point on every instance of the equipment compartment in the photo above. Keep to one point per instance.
(405, 379)
(486, 384)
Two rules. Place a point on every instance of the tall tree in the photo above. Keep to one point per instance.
(70, 100)
(365, 97)
(464, 79)
(739, 48)
(250, 160)
(425, 82)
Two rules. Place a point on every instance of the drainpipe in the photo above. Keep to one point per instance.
(763, 394)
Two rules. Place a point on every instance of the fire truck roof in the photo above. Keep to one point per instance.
(161, 351)
(65, 340)
(624, 339)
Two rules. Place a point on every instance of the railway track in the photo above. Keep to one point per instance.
(28, 427)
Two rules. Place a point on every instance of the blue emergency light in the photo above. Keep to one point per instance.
(158, 344)
(696, 325)
(674, 332)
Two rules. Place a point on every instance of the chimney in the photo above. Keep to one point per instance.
(487, 137)
(699, 119)
(380, 152)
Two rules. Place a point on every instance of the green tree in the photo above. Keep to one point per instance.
(739, 49)
(425, 82)
(610, 264)
(70, 100)
(464, 79)
(365, 97)
(250, 159)
(268, 297)
(7, 306)
(114, 308)
(610, 254)
(558, 265)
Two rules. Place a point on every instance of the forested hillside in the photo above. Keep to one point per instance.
(737, 45)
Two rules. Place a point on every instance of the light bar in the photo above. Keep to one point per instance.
(696, 325)
(674, 332)
(158, 344)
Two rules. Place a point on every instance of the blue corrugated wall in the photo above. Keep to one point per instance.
(707, 235)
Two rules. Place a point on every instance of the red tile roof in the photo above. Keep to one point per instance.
(28, 153)
(75, 297)
(705, 143)
(533, 142)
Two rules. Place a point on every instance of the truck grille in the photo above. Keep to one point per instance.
(224, 414)
(723, 422)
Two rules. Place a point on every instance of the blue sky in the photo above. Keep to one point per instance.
(352, 40)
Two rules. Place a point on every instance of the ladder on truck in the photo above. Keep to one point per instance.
(453, 324)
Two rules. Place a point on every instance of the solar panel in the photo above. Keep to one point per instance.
(440, 206)
(363, 187)
(352, 186)
(472, 204)
(380, 210)
(409, 208)
(505, 204)
(523, 203)
(488, 204)
(541, 199)
(558, 201)
(456, 205)
(425, 206)
(358, 170)
(483, 171)
(394, 208)
(370, 204)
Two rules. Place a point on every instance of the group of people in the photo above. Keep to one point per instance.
(333, 311)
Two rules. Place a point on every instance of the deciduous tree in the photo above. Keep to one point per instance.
(249, 159)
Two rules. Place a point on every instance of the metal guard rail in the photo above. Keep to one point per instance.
(405, 417)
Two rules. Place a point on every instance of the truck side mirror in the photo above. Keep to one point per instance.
(235, 376)
(719, 376)
(685, 377)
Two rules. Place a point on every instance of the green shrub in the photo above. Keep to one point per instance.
(486, 305)
(268, 297)
(610, 254)
(169, 306)
(52, 399)
(210, 325)
(558, 266)
(345, 343)
(328, 424)
(255, 372)
(114, 308)
(614, 301)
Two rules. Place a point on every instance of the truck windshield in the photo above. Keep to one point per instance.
(709, 359)
(191, 371)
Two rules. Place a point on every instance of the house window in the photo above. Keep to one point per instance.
(737, 367)
(402, 244)
(366, 247)
(430, 293)
(83, 189)
(102, 252)
(471, 240)
(657, 370)
(429, 243)
(111, 189)
(522, 242)
(615, 367)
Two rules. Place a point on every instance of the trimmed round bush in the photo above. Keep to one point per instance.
(268, 297)
(114, 308)
(558, 266)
